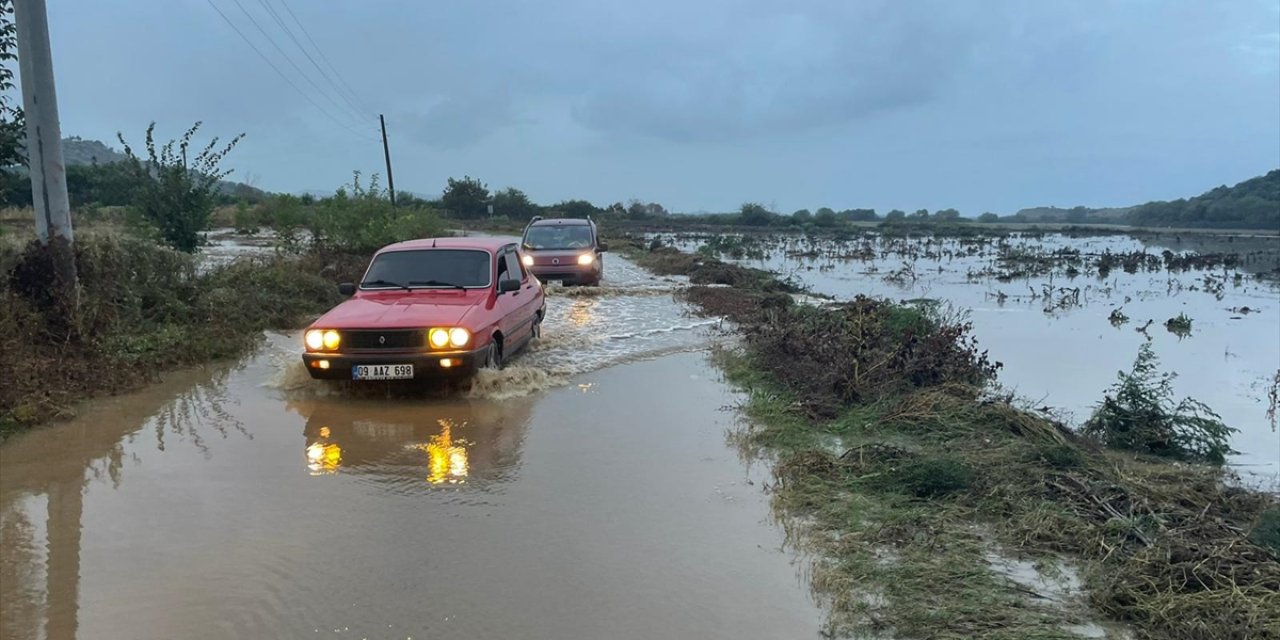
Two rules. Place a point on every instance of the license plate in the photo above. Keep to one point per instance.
(382, 372)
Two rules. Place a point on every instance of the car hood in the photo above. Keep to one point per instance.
(405, 309)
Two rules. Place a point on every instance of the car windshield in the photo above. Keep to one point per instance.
(576, 236)
(429, 268)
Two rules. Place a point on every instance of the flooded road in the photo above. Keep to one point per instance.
(215, 507)
(587, 491)
(1051, 328)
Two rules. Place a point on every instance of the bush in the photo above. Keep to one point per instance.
(863, 350)
(143, 308)
(1266, 533)
(1138, 414)
(929, 477)
(362, 220)
(175, 194)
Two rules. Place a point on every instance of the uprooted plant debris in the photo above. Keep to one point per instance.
(905, 470)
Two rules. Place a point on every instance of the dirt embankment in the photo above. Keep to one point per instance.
(912, 482)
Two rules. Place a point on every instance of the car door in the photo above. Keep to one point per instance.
(521, 305)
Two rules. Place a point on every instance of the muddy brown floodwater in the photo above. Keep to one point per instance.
(217, 505)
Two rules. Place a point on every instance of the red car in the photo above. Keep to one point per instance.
(426, 308)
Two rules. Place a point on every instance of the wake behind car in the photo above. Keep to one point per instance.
(429, 308)
(565, 249)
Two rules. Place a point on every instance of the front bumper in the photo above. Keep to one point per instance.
(425, 365)
(569, 273)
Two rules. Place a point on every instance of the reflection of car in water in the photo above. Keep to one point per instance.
(446, 443)
(566, 249)
(426, 308)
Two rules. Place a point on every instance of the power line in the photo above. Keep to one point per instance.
(295, 66)
(284, 27)
(323, 57)
(278, 71)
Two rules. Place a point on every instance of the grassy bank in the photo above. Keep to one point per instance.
(143, 309)
(915, 484)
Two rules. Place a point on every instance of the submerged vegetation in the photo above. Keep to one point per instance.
(911, 485)
(1139, 414)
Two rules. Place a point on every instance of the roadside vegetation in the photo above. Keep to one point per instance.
(915, 481)
(148, 301)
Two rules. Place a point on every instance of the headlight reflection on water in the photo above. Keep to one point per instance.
(447, 460)
(323, 457)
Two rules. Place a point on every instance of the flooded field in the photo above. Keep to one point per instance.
(1064, 314)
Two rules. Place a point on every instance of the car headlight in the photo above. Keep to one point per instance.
(527, 260)
(331, 340)
(439, 338)
(315, 340)
(459, 337)
(586, 258)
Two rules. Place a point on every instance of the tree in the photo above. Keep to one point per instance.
(514, 204)
(824, 211)
(176, 193)
(802, 216)
(988, 217)
(896, 214)
(575, 208)
(859, 215)
(754, 214)
(949, 215)
(826, 218)
(467, 198)
(920, 214)
(12, 123)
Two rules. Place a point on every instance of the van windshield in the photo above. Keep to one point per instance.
(428, 268)
(576, 236)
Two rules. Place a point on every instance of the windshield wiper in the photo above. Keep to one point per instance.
(385, 283)
(435, 283)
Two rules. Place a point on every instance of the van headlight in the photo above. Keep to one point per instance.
(527, 260)
(586, 259)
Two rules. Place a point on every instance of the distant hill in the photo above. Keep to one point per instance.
(77, 151)
(1252, 204)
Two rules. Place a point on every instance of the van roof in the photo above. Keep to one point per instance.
(559, 221)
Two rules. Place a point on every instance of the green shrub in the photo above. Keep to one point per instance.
(246, 219)
(362, 220)
(1138, 414)
(175, 194)
(1266, 533)
(929, 477)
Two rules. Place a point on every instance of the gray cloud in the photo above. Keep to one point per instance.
(992, 104)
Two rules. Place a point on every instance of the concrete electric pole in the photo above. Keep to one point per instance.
(44, 136)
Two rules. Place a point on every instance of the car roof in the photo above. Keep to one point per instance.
(560, 221)
(481, 243)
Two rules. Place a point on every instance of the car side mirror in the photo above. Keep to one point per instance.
(508, 285)
(347, 288)
(603, 247)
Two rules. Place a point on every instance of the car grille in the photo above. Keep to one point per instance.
(391, 339)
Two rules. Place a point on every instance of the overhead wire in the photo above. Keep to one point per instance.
(324, 74)
(305, 76)
(282, 74)
(343, 81)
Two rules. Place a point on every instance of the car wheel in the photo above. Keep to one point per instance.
(494, 358)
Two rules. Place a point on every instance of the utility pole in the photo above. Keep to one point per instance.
(386, 152)
(44, 136)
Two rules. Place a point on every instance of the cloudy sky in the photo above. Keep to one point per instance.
(702, 104)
